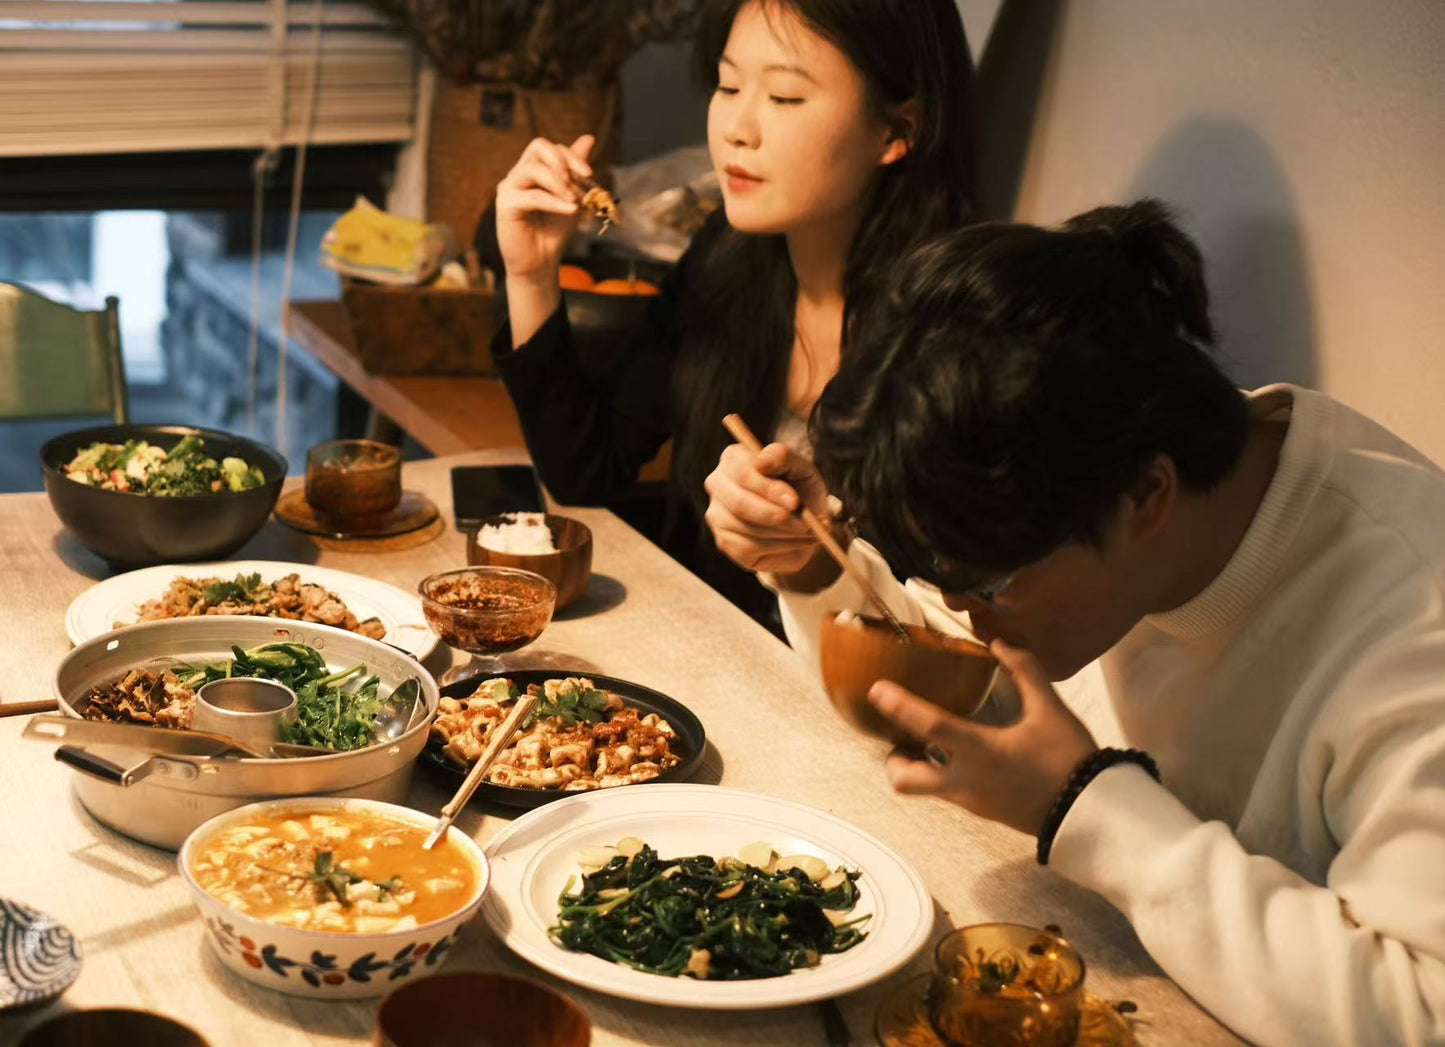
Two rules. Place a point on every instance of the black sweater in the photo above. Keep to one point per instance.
(593, 415)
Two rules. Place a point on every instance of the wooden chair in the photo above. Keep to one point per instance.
(55, 360)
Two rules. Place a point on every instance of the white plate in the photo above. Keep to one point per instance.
(533, 857)
(96, 611)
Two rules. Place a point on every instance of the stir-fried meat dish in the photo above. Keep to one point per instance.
(577, 738)
(287, 597)
(142, 696)
(600, 203)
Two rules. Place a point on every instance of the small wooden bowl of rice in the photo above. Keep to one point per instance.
(558, 548)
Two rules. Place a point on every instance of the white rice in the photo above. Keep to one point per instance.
(524, 534)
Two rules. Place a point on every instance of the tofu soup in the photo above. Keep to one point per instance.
(346, 871)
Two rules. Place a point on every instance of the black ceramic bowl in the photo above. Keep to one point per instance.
(138, 530)
(602, 323)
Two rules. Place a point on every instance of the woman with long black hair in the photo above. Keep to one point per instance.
(840, 131)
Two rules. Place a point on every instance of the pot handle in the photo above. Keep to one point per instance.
(88, 763)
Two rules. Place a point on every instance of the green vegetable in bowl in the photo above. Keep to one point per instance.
(142, 468)
(328, 714)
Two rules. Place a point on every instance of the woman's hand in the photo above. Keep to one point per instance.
(1010, 774)
(538, 206)
(752, 507)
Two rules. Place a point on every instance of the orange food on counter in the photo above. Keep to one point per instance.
(639, 287)
(575, 278)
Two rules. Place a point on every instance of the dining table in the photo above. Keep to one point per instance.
(643, 618)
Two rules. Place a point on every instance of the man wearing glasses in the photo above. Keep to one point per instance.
(1243, 594)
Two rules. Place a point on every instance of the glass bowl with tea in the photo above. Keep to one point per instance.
(1007, 984)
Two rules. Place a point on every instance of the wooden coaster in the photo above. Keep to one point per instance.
(430, 533)
(414, 512)
(902, 1020)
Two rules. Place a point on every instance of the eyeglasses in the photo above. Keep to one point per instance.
(962, 581)
(988, 592)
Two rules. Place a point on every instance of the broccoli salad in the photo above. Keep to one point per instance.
(143, 468)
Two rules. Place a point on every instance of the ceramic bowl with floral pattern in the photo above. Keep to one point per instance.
(330, 897)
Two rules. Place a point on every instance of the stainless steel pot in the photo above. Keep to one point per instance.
(171, 797)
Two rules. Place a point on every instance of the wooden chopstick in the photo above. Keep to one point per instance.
(21, 708)
(742, 434)
(498, 741)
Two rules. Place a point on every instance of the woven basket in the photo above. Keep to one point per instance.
(422, 330)
(466, 158)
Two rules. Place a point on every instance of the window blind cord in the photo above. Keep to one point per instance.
(261, 169)
(313, 83)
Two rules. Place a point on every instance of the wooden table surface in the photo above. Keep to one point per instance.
(644, 618)
(446, 414)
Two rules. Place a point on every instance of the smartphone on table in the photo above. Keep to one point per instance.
(479, 491)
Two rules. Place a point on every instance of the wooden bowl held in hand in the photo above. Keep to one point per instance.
(568, 568)
(856, 652)
(480, 1009)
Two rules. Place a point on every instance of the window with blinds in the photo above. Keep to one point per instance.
(136, 76)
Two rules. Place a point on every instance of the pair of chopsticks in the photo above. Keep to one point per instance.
(742, 434)
(22, 708)
(498, 741)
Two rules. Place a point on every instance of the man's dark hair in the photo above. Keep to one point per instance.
(1014, 383)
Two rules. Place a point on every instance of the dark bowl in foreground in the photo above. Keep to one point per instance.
(139, 530)
(480, 1008)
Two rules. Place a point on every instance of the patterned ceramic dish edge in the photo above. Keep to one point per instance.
(327, 965)
(39, 957)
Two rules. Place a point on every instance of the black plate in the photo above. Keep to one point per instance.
(690, 744)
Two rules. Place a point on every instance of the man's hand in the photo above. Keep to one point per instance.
(1008, 774)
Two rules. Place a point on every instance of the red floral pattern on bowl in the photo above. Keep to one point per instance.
(324, 968)
(327, 964)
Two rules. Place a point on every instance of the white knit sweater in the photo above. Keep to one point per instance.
(1289, 873)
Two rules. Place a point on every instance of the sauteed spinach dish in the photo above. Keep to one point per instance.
(756, 916)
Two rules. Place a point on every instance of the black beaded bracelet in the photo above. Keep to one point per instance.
(1087, 770)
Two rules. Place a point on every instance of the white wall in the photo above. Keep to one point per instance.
(1304, 142)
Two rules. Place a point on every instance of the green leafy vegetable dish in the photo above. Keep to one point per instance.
(143, 468)
(328, 715)
(334, 710)
(754, 916)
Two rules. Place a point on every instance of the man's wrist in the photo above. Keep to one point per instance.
(1085, 772)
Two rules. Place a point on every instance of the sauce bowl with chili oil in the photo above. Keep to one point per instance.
(486, 612)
